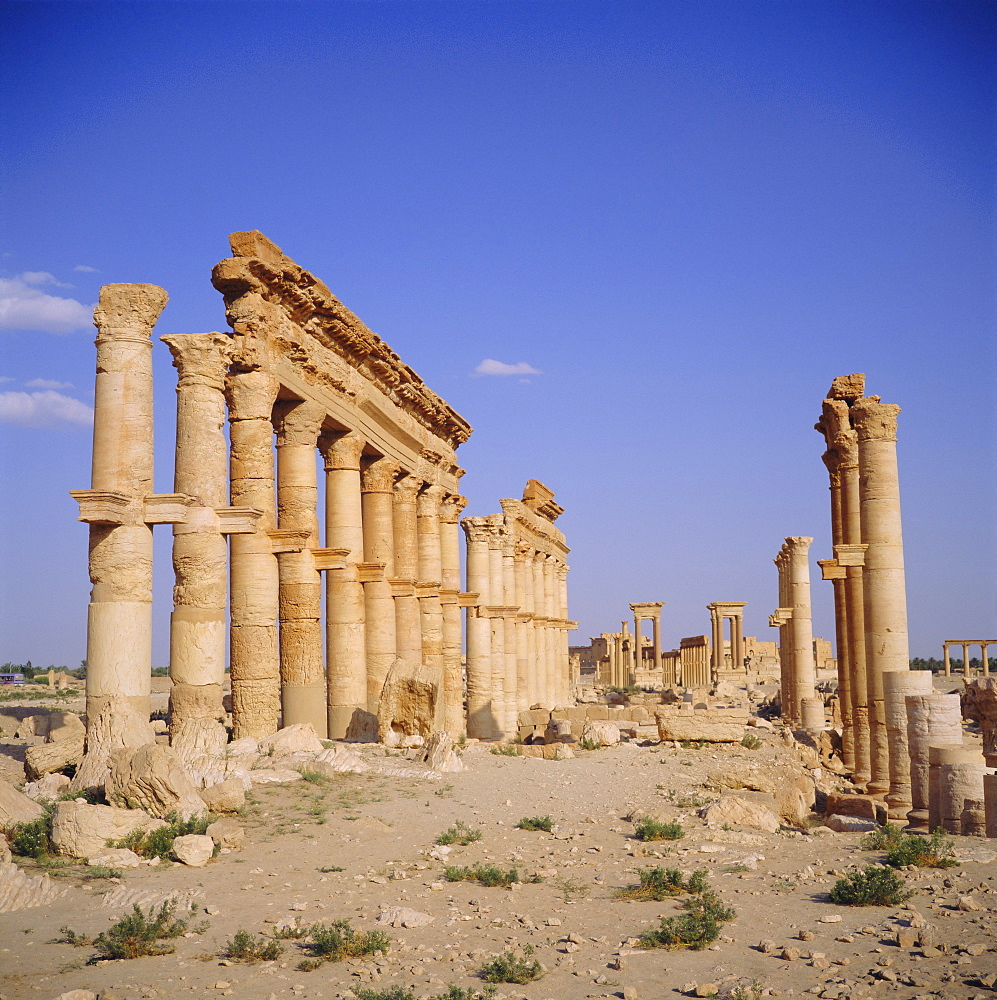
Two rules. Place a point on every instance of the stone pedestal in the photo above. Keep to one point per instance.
(897, 685)
(932, 720)
(956, 774)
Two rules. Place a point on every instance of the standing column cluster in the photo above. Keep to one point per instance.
(517, 613)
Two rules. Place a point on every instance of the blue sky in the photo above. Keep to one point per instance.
(688, 217)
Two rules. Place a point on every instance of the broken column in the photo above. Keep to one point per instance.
(956, 774)
(932, 720)
(897, 686)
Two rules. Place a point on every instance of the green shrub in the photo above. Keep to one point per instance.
(507, 750)
(750, 741)
(910, 849)
(487, 875)
(872, 887)
(158, 843)
(339, 940)
(698, 927)
(651, 829)
(542, 823)
(137, 934)
(245, 947)
(408, 993)
(587, 743)
(661, 883)
(512, 968)
(459, 833)
(31, 840)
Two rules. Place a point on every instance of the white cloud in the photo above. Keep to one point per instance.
(47, 383)
(43, 409)
(24, 307)
(491, 367)
(6, 378)
(42, 278)
(87, 269)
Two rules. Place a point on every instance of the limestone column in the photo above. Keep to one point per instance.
(377, 488)
(717, 655)
(638, 647)
(543, 696)
(501, 692)
(200, 552)
(956, 774)
(119, 623)
(510, 614)
(550, 601)
(408, 621)
(454, 721)
(345, 640)
(884, 589)
(932, 720)
(567, 694)
(656, 640)
(801, 629)
(430, 576)
(524, 682)
(525, 567)
(480, 721)
(948, 664)
(302, 671)
(966, 672)
(990, 803)
(254, 589)
(897, 686)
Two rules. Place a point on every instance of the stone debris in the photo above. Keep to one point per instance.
(20, 891)
(80, 829)
(731, 810)
(16, 807)
(225, 796)
(125, 898)
(404, 916)
(226, 833)
(116, 857)
(46, 789)
(154, 779)
(194, 849)
(682, 729)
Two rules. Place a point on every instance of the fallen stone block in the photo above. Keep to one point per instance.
(850, 824)
(688, 728)
(152, 778)
(299, 738)
(227, 796)
(194, 850)
(733, 810)
(404, 916)
(115, 857)
(604, 733)
(80, 829)
(16, 807)
(226, 833)
(47, 788)
(49, 757)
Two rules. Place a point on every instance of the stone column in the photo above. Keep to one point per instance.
(990, 803)
(430, 577)
(119, 623)
(302, 671)
(638, 647)
(897, 685)
(524, 680)
(801, 629)
(567, 696)
(543, 696)
(480, 721)
(884, 589)
(956, 774)
(408, 622)
(454, 721)
(501, 693)
(377, 488)
(550, 601)
(736, 641)
(200, 552)
(656, 640)
(932, 720)
(345, 640)
(254, 589)
(966, 672)
(717, 655)
(510, 615)
(524, 568)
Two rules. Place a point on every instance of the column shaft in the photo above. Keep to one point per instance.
(408, 623)
(480, 720)
(454, 721)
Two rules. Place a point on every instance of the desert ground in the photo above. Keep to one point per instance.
(355, 845)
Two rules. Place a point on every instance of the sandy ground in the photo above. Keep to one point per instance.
(379, 829)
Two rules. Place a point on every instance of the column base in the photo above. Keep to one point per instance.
(304, 703)
(339, 719)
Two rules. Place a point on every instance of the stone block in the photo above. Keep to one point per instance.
(688, 728)
(80, 829)
(605, 733)
(16, 807)
(858, 805)
(733, 810)
(195, 850)
(597, 713)
(152, 778)
(227, 796)
(226, 833)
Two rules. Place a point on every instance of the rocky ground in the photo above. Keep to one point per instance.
(353, 846)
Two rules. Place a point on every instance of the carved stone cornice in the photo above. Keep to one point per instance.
(200, 358)
(260, 274)
(476, 529)
(407, 488)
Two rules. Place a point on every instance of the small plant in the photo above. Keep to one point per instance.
(872, 887)
(339, 940)
(542, 823)
(650, 829)
(661, 883)
(327, 871)
(697, 928)
(314, 777)
(735, 869)
(750, 741)
(69, 936)
(158, 843)
(512, 968)
(137, 934)
(488, 875)
(744, 992)
(507, 750)
(571, 889)
(408, 993)
(909, 849)
(587, 743)
(31, 840)
(684, 800)
(245, 947)
(459, 833)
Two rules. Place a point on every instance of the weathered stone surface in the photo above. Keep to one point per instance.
(48, 788)
(860, 806)
(296, 739)
(604, 733)
(411, 701)
(49, 757)
(439, 754)
(226, 833)
(115, 726)
(80, 829)
(558, 731)
(686, 728)
(195, 850)
(152, 778)
(850, 824)
(116, 857)
(226, 796)
(16, 807)
(193, 738)
(19, 891)
(735, 811)
(274, 776)
(404, 916)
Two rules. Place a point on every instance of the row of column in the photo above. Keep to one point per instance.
(642, 611)
(984, 644)
(517, 638)
(734, 611)
(867, 570)
(798, 672)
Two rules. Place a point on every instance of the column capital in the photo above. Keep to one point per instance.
(428, 500)
(798, 544)
(407, 487)
(377, 475)
(875, 420)
(452, 507)
(299, 422)
(341, 450)
(201, 357)
(522, 547)
(250, 395)
(128, 312)
(475, 530)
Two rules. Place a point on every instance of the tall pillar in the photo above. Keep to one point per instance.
(656, 640)
(530, 608)
(119, 622)
(408, 621)
(430, 577)
(736, 641)
(302, 671)
(377, 487)
(966, 672)
(543, 696)
(550, 600)
(524, 680)
(345, 641)
(948, 663)
(200, 552)
(454, 721)
(254, 588)
(884, 588)
(480, 720)
(804, 668)
(567, 696)
(501, 692)
(898, 685)
(717, 654)
(509, 616)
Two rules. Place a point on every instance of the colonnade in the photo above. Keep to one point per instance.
(641, 612)
(734, 612)
(966, 643)
(798, 670)
(517, 606)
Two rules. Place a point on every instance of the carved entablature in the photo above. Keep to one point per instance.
(271, 298)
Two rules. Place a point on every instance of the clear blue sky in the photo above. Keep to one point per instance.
(687, 216)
